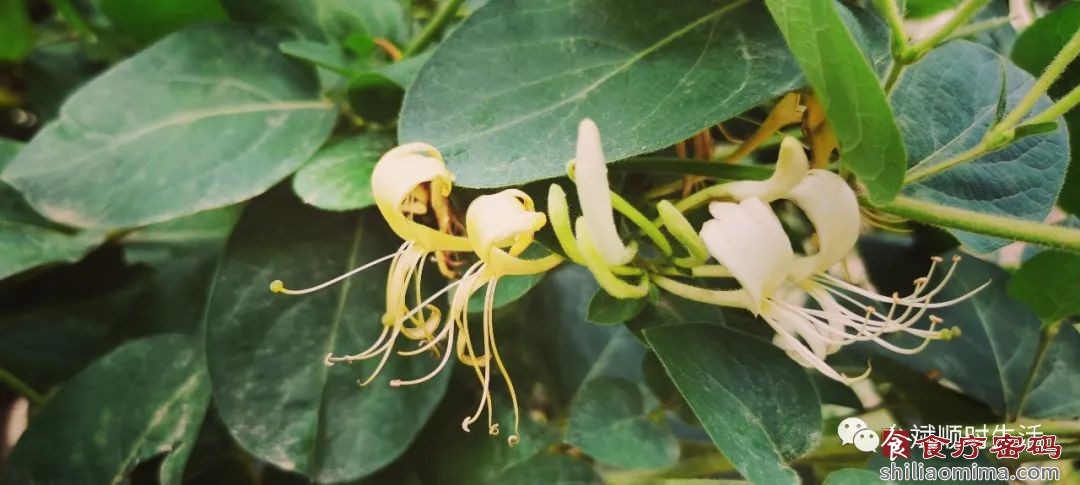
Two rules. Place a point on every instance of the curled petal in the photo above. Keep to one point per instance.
(791, 167)
(593, 194)
(748, 240)
(405, 178)
(501, 226)
(832, 208)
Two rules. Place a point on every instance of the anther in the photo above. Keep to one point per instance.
(328, 360)
(493, 430)
(513, 440)
(956, 258)
(936, 259)
(395, 383)
(277, 286)
(920, 281)
(465, 424)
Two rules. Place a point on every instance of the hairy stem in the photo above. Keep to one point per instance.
(432, 29)
(963, 14)
(1049, 331)
(21, 387)
(1058, 237)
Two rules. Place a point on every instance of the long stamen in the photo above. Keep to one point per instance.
(278, 286)
(805, 353)
(514, 438)
(469, 276)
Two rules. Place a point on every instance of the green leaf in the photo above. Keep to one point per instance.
(53, 72)
(265, 351)
(1034, 49)
(207, 117)
(26, 239)
(757, 405)
(333, 20)
(16, 30)
(852, 476)
(609, 414)
(147, 20)
(848, 89)
(316, 53)
(1000, 39)
(944, 105)
(338, 177)
(146, 398)
(991, 359)
(917, 9)
(1048, 284)
(198, 233)
(607, 310)
(503, 94)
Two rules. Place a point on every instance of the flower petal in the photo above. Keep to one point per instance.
(832, 208)
(791, 167)
(748, 240)
(593, 190)
(401, 172)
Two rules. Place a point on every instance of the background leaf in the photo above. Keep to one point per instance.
(146, 398)
(26, 239)
(848, 89)
(333, 20)
(209, 116)
(1048, 284)
(147, 20)
(757, 405)
(610, 414)
(991, 359)
(265, 351)
(1034, 49)
(338, 177)
(503, 94)
(943, 105)
(16, 30)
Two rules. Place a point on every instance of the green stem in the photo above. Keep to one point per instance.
(72, 16)
(1062, 106)
(1049, 331)
(977, 28)
(432, 29)
(916, 174)
(625, 208)
(894, 75)
(1050, 74)
(891, 12)
(963, 14)
(1007, 227)
(21, 387)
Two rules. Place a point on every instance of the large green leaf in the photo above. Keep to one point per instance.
(26, 239)
(609, 416)
(848, 89)
(338, 177)
(1048, 284)
(944, 105)
(327, 19)
(146, 398)
(208, 116)
(503, 94)
(266, 351)
(16, 30)
(917, 9)
(992, 358)
(147, 20)
(757, 405)
(197, 233)
(1034, 49)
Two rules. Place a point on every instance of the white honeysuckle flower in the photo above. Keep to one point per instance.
(791, 166)
(737, 231)
(405, 183)
(593, 191)
(748, 240)
(501, 227)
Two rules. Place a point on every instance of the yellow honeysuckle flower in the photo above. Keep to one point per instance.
(500, 226)
(406, 182)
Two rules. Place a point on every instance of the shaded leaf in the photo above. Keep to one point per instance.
(503, 94)
(609, 417)
(338, 177)
(16, 30)
(848, 89)
(991, 359)
(147, 20)
(26, 239)
(198, 233)
(1048, 284)
(917, 9)
(757, 405)
(148, 397)
(207, 117)
(852, 476)
(333, 20)
(265, 351)
(944, 105)
(606, 309)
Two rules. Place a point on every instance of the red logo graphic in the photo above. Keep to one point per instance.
(976, 443)
(897, 443)
(1007, 446)
(932, 446)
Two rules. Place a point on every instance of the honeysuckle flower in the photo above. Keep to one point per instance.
(500, 227)
(597, 244)
(406, 182)
(747, 239)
